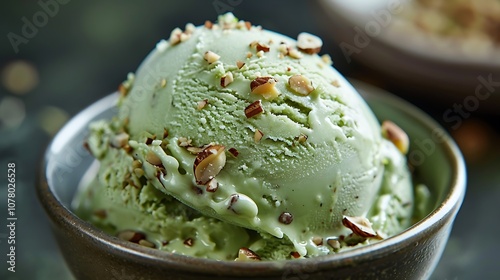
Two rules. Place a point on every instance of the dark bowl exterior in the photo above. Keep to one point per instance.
(92, 254)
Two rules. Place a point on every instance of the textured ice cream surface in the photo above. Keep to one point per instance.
(248, 130)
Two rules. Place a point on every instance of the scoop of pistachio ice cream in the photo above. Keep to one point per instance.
(252, 130)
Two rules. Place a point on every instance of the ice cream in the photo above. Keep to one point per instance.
(235, 142)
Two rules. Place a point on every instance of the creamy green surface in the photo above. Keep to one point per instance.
(344, 167)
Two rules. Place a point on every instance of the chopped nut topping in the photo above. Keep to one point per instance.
(145, 243)
(245, 254)
(249, 54)
(150, 140)
(202, 104)
(184, 142)
(359, 226)
(100, 213)
(334, 243)
(119, 140)
(208, 163)
(226, 79)
(396, 135)
(163, 83)
(233, 152)
(212, 186)
(300, 84)
(260, 54)
(123, 90)
(265, 86)
(211, 57)
(285, 218)
(262, 47)
(234, 199)
(258, 136)
(335, 83)
(302, 138)
(175, 36)
(240, 64)
(194, 150)
(317, 240)
(132, 236)
(139, 172)
(152, 158)
(189, 242)
(327, 59)
(294, 53)
(254, 109)
(248, 25)
(309, 43)
(165, 133)
(208, 24)
(295, 254)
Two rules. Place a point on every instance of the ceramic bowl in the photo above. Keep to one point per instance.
(432, 68)
(92, 254)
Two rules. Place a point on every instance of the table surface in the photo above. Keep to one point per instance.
(71, 53)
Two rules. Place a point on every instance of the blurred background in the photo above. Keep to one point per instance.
(59, 56)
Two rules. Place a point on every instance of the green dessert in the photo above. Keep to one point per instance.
(234, 142)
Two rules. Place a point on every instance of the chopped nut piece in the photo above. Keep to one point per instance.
(285, 218)
(327, 59)
(212, 186)
(149, 140)
(120, 140)
(163, 83)
(248, 25)
(194, 150)
(184, 142)
(240, 64)
(264, 86)
(396, 135)
(295, 254)
(146, 243)
(123, 90)
(262, 47)
(317, 240)
(139, 172)
(254, 109)
(226, 79)
(165, 133)
(294, 53)
(359, 226)
(211, 57)
(208, 24)
(152, 158)
(175, 36)
(335, 83)
(132, 236)
(100, 213)
(234, 152)
(302, 138)
(260, 54)
(334, 243)
(189, 242)
(202, 104)
(258, 136)
(309, 43)
(208, 163)
(300, 84)
(245, 254)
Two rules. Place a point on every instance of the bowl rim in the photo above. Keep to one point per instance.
(60, 215)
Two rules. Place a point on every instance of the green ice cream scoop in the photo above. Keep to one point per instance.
(256, 129)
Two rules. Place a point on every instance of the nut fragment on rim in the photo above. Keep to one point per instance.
(189, 242)
(211, 57)
(132, 236)
(257, 136)
(334, 243)
(265, 86)
(226, 79)
(309, 43)
(145, 243)
(208, 24)
(317, 240)
(254, 109)
(184, 142)
(300, 84)
(302, 138)
(396, 135)
(245, 254)
(208, 163)
(359, 226)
